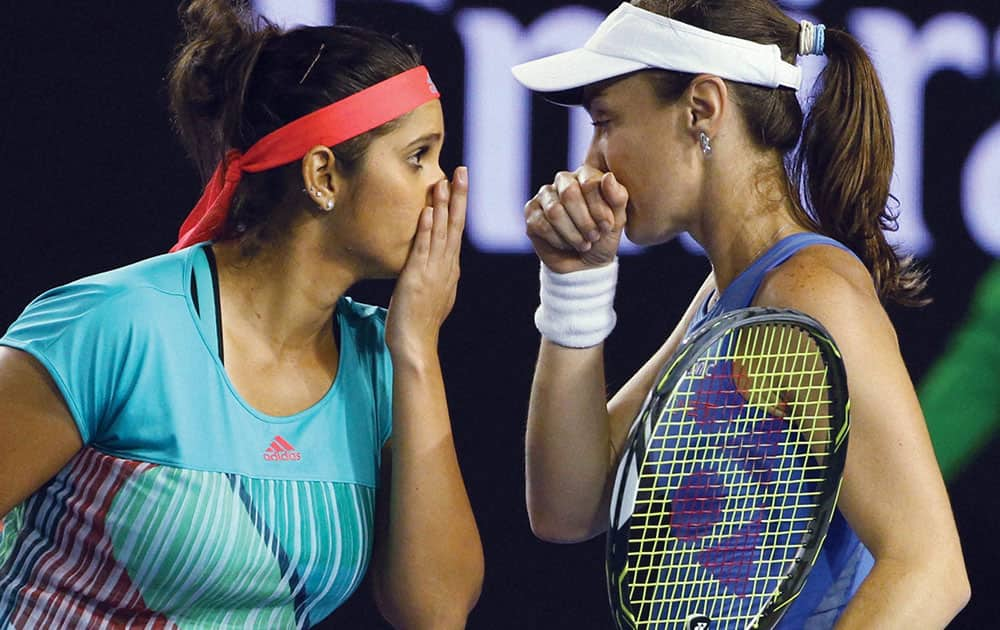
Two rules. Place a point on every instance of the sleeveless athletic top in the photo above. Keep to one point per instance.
(843, 561)
(187, 507)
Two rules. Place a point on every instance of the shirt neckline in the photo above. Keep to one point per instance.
(345, 347)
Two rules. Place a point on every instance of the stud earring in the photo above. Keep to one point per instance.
(706, 144)
(318, 193)
(329, 205)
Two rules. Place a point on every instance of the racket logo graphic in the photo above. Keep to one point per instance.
(697, 622)
(699, 368)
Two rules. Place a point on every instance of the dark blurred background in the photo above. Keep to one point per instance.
(93, 178)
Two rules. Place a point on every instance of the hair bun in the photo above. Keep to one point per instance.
(207, 81)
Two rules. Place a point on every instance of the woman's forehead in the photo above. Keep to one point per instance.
(427, 119)
(615, 91)
(425, 116)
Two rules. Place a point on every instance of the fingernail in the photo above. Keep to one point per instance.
(462, 175)
(605, 226)
(594, 235)
(585, 246)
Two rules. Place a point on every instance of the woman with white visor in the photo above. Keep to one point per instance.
(696, 121)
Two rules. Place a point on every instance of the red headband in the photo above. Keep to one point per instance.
(345, 119)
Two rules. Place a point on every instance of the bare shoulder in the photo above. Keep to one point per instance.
(832, 286)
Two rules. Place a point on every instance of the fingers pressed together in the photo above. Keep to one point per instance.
(577, 209)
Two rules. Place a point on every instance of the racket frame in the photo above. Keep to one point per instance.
(642, 430)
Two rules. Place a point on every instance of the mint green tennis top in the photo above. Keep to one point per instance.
(187, 507)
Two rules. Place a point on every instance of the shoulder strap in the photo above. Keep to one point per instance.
(741, 292)
(205, 294)
(744, 287)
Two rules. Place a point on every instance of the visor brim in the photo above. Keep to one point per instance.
(561, 77)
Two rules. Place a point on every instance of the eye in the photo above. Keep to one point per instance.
(601, 124)
(417, 156)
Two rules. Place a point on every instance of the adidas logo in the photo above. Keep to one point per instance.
(281, 451)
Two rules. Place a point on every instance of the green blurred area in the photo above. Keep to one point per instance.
(960, 394)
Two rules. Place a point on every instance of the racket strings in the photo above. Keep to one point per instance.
(806, 380)
(724, 504)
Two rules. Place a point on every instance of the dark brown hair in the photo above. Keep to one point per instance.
(235, 79)
(839, 177)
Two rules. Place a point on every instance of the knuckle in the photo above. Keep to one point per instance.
(566, 184)
(563, 180)
(531, 207)
(591, 185)
(572, 194)
(536, 225)
(554, 211)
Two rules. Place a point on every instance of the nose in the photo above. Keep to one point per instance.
(595, 156)
(433, 177)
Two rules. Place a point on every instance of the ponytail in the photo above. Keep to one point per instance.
(844, 161)
(844, 166)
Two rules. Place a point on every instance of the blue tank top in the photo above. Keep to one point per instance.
(843, 561)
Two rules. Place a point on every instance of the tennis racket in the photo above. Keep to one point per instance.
(730, 476)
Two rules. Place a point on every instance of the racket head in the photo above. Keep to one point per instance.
(730, 475)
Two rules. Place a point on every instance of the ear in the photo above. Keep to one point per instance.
(707, 99)
(321, 178)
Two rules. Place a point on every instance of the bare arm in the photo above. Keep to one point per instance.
(893, 494)
(38, 430)
(574, 436)
(429, 561)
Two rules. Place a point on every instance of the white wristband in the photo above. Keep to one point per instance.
(577, 308)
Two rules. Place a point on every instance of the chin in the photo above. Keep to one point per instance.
(647, 238)
(637, 235)
(393, 266)
(390, 272)
(384, 268)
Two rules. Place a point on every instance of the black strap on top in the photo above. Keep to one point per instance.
(205, 295)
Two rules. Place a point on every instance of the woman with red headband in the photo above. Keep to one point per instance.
(218, 437)
(698, 127)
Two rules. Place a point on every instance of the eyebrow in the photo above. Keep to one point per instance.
(427, 138)
(589, 98)
(595, 91)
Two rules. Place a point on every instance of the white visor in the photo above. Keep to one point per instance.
(632, 39)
